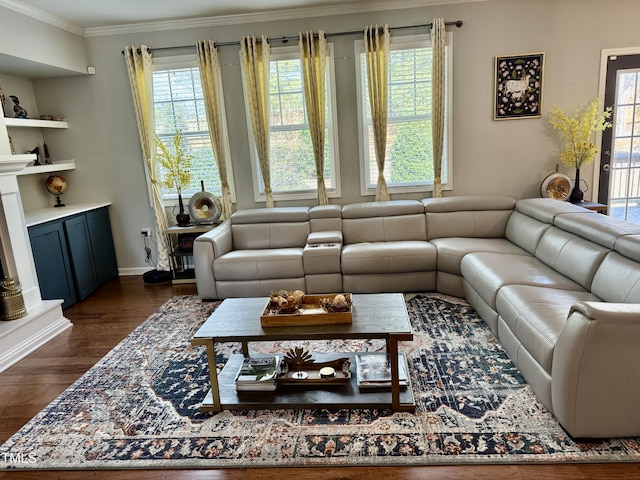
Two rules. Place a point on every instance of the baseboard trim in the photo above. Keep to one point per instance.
(127, 272)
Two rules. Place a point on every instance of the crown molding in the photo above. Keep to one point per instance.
(266, 16)
(43, 16)
(222, 20)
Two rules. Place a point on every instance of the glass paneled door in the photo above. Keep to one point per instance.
(620, 158)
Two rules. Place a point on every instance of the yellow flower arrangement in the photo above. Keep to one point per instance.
(176, 165)
(577, 130)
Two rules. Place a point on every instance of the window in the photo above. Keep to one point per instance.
(179, 105)
(292, 163)
(409, 156)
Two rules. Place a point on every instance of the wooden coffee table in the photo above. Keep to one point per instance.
(375, 316)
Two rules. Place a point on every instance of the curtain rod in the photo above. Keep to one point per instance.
(285, 39)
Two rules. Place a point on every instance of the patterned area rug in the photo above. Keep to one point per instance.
(138, 407)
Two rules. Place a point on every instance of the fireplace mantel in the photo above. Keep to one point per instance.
(44, 319)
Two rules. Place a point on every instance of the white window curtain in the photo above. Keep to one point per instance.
(438, 87)
(313, 58)
(376, 41)
(254, 60)
(211, 80)
(139, 67)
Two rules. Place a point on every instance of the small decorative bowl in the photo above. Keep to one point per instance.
(343, 303)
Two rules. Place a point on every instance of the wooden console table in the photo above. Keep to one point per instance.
(375, 316)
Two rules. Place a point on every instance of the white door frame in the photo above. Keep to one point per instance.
(604, 56)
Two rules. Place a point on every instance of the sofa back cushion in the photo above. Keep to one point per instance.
(324, 218)
(476, 224)
(547, 209)
(601, 229)
(383, 221)
(629, 246)
(282, 227)
(571, 255)
(477, 216)
(617, 279)
(525, 231)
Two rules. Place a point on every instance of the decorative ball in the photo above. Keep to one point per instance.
(56, 185)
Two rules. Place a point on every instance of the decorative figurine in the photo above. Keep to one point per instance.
(3, 100)
(47, 159)
(17, 109)
(37, 153)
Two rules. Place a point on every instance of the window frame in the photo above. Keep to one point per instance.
(191, 61)
(290, 53)
(402, 43)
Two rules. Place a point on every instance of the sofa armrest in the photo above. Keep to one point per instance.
(206, 248)
(595, 387)
(608, 312)
(325, 237)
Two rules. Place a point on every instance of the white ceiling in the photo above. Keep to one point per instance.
(100, 13)
(83, 16)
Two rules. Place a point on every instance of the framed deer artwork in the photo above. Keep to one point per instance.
(518, 86)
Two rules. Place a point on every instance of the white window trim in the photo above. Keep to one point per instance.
(399, 43)
(283, 53)
(191, 61)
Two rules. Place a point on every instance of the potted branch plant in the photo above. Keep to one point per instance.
(577, 131)
(176, 171)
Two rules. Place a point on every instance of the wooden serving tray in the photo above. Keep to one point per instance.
(310, 312)
(313, 374)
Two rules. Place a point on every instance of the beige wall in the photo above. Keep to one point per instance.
(504, 157)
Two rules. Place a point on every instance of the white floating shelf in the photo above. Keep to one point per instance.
(33, 123)
(15, 163)
(59, 166)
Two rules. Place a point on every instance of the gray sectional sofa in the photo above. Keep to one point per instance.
(558, 285)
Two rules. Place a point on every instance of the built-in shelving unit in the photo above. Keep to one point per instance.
(45, 318)
(58, 166)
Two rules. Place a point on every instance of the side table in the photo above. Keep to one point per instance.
(181, 247)
(597, 207)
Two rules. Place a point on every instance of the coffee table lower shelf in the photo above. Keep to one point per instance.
(348, 395)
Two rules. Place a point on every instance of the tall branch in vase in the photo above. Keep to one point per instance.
(176, 171)
(577, 131)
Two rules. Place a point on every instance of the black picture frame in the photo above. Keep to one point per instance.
(518, 86)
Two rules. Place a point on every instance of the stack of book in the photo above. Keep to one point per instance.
(258, 374)
(374, 370)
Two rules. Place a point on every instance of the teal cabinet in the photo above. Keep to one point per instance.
(74, 255)
(81, 254)
(104, 256)
(51, 256)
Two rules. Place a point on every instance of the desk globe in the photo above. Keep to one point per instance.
(56, 185)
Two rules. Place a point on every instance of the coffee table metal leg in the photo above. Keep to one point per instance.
(392, 350)
(213, 377)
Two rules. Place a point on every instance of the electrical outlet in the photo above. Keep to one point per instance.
(146, 232)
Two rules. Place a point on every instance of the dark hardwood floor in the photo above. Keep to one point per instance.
(107, 316)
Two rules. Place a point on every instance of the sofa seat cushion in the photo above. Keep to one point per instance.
(388, 257)
(536, 316)
(451, 250)
(259, 264)
(487, 272)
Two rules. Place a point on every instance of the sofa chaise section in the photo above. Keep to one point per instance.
(596, 385)
(536, 304)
